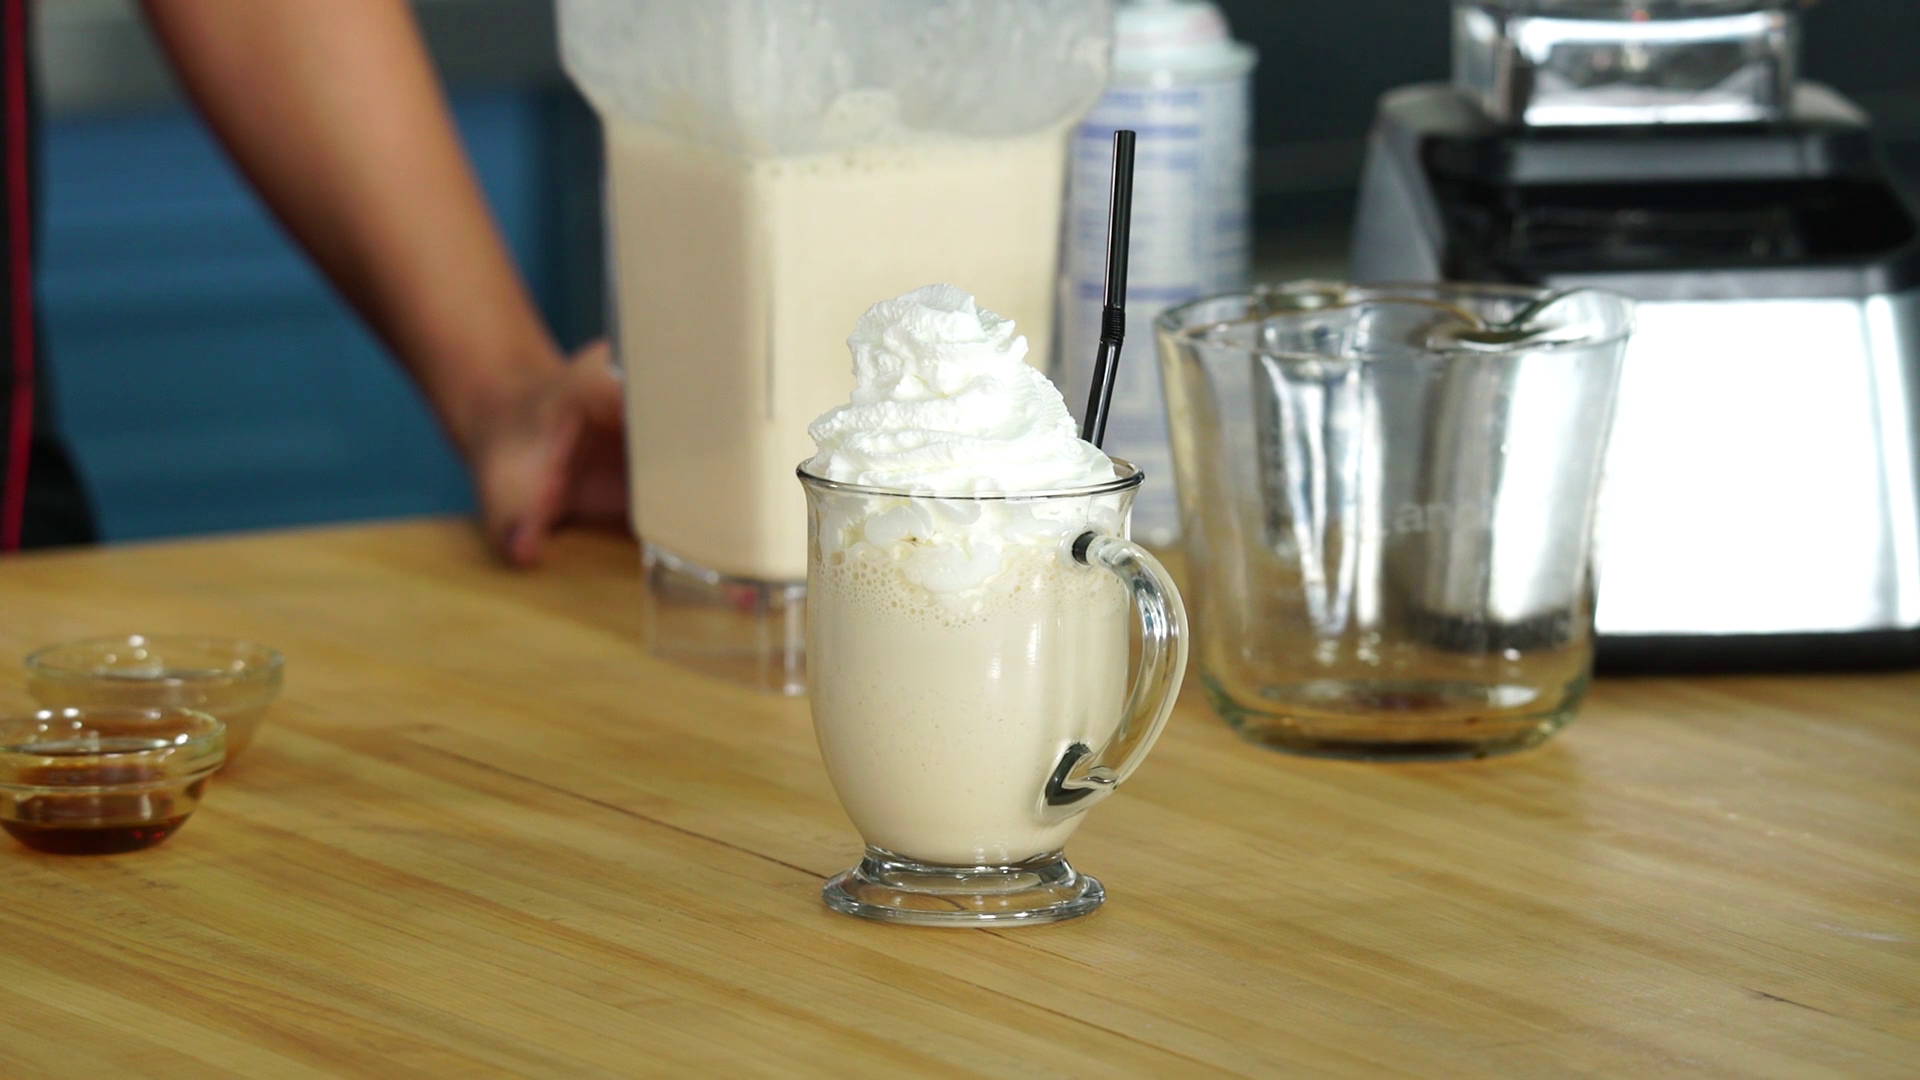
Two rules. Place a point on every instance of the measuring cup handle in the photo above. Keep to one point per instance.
(1084, 775)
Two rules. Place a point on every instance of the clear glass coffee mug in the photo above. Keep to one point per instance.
(968, 665)
(1387, 496)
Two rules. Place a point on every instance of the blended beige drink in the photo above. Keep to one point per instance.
(956, 649)
(738, 276)
(931, 759)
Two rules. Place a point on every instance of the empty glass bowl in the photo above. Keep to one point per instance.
(233, 680)
(106, 780)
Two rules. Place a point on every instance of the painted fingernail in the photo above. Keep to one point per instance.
(516, 541)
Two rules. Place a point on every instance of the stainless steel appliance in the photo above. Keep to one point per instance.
(1762, 495)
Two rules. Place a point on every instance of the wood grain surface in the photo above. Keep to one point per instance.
(484, 835)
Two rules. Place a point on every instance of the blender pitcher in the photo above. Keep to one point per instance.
(773, 168)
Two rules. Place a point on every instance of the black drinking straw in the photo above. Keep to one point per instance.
(1113, 316)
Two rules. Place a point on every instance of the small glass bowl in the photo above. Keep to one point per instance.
(106, 780)
(233, 680)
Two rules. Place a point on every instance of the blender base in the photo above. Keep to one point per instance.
(748, 632)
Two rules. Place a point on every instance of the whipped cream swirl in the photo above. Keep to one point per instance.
(945, 403)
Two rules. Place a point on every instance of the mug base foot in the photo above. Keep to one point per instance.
(890, 888)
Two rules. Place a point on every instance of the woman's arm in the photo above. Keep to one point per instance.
(332, 109)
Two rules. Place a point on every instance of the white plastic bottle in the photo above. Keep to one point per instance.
(1182, 82)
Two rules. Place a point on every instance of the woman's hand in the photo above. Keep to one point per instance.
(548, 451)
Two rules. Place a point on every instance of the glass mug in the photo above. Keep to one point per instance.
(968, 667)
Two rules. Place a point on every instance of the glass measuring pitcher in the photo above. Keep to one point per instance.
(1387, 496)
(772, 169)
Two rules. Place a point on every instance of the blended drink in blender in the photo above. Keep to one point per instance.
(771, 168)
(738, 276)
(957, 649)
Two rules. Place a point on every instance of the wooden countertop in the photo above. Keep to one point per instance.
(484, 835)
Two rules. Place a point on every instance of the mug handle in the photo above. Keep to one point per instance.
(1084, 776)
